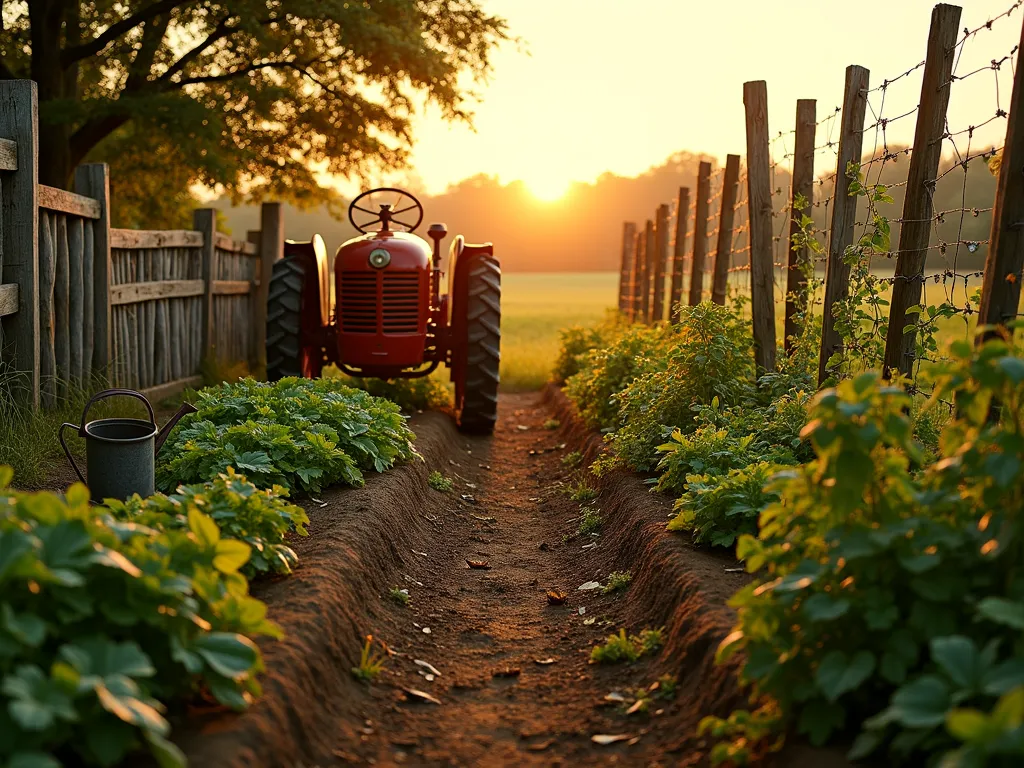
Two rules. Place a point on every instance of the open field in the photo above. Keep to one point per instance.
(535, 306)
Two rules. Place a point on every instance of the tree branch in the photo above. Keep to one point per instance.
(297, 66)
(91, 48)
(219, 32)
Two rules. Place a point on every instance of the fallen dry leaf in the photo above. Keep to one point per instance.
(637, 706)
(541, 746)
(544, 662)
(415, 695)
(590, 621)
(557, 598)
(616, 697)
(427, 666)
(604, 739)
(480, 565)
(586, 587)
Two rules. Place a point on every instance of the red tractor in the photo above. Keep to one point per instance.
(391, 320)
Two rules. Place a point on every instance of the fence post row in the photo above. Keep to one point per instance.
(205, 220)
(1004, 264)
(660, 257)
(803, 186)
(628, 238)
(844, 211)
(915, 229)
(271, 249)
(645, 287)
(759, 203)
(639, 257)
(727, 215)
(93, 180)
(19, 233)
(679, 253)
(700, 233)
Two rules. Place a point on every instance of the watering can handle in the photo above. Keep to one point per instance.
(67, 452)
(111, 393)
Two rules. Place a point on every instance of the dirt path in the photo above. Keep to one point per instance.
(478, 627)
(485, 624)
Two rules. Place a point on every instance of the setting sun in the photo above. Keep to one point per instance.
(549, 189)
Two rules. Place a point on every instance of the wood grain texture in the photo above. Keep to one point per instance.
(76, 294)
(8, 299)
(918, 208)
(635, 308)
(232, 287)
(1004, 265)
(661, 237)
(8, 155)
(44, 295)
(625, 265)
(700, 234)
(759, 202)
(844, 211)
(679, 253)
(93, 180)
(19, 212)
(62, 201)
(205, 220)
(227, 243)
(727, 217)
(271, 250)
(645, 286)
(803, 187)
(133, 293)
(144, 238)
(169, 389)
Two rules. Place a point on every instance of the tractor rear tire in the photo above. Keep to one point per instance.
(478, 410)
(286, 355)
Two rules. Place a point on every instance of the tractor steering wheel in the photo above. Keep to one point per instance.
(389, 203)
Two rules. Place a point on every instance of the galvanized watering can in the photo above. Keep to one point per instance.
(120, 454)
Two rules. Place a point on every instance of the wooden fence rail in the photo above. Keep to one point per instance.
(83, 304)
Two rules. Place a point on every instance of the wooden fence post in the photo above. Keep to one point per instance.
(679, 253)
(700, 233)
(625, 269)
(645, 287)
(844, 211)
(803, 186)
(271, 250)
(1004, 265)
(19, 230)
(917, 206)
(759, 203)
(727, 215)
(93, 180)
(660, 257)
(205, 220)
(635, 307)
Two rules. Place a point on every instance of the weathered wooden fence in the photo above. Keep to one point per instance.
(81, 302)
(766, 252)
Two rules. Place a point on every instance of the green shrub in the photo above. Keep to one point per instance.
(891, 600)
(619, 648)
(581, 490)
(718, 508)
(590, 521)
(606, 371)
(420, 394)
(617, 580)
(259, 518)
(103, 623)
(305, 433)
(577, 341)
(707, 450)
(439, 482)
(710, 358)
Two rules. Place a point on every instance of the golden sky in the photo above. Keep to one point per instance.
(618, 85)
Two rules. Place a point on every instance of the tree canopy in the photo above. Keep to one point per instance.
(258, 97)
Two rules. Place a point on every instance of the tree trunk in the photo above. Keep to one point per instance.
(47, 20)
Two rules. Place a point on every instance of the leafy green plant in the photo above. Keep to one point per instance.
(581, 490)
(399, 596)
(744, 737)
(261, 519)
(552, 424)
(667, 687)
(720, 508)
(420, 394)
(891, 597)
(590, 521)
(105, 622)
(705, 451)
(572, 459)
(439, 482)
(577, 341)
(305, 433)
(371, 663)
(620, 647)
(617, 580)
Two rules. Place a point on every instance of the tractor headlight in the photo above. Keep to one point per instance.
(379, 258)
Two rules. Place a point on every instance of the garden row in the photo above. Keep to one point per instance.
(113, 616)
(883, 531)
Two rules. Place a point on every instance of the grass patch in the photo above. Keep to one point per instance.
(590, 522)
(622, 648)
(439, 482)
(581, 490)
(371, 664)
(617, 580)
(399, 596)
(573, 459)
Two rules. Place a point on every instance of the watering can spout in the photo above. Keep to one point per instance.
(162, 435)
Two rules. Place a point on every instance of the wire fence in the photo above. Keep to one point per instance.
(961, 196)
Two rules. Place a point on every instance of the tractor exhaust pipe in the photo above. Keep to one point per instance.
(437, 233)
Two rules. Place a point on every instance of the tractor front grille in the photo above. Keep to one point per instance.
(382, 301)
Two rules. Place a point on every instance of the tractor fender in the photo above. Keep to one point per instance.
(461, 258)
(316, 292)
